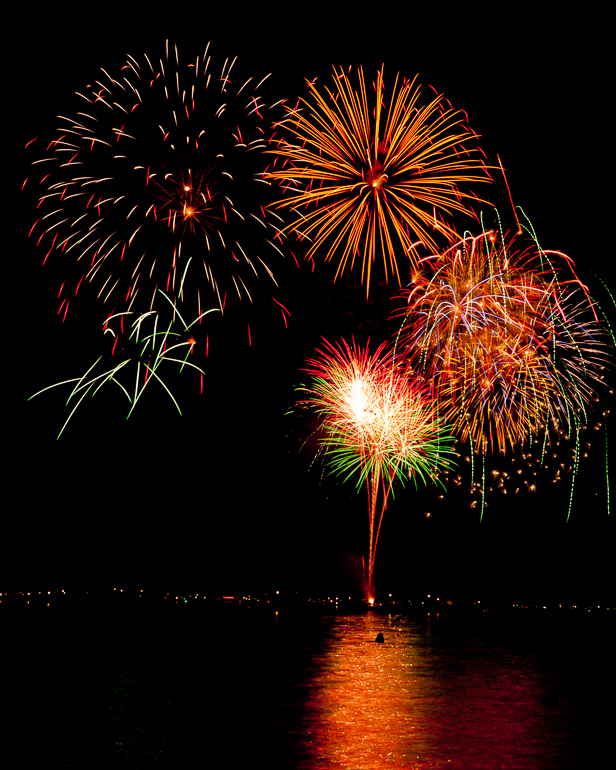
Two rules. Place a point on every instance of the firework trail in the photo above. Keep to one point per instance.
(377, 423)
(140, 345)
(367, 176)
(155, 183)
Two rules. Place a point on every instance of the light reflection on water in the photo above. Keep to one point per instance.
(418, 701)
(307, 691)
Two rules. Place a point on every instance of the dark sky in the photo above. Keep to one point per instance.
(222, 498)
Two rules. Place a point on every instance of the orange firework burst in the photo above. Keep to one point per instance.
(378, 422)
(501, 339)
(376, 176)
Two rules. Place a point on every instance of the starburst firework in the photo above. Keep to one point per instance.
(377, 422)
(374, 176)
(155, 182)
(508, 347)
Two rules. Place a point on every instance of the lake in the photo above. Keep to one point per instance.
(232, 686)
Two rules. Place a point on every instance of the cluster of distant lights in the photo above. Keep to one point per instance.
(329, 600)
(31, 593)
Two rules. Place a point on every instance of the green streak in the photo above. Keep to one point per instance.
(575, 468)
(483, 484)
(607, 475)
(73, 412)
(55, 385)
(165, 387)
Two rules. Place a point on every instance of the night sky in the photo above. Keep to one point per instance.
(222, 498)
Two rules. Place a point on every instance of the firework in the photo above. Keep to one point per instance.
(154, 182)
(511, 349)
(377, 423)
(136, 357)
(368, 176)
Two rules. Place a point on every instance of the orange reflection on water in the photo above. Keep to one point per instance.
(370, 704)
(456, 697)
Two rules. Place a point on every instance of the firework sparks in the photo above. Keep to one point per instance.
(142, 350)
(509, 349)
(375, 176)
(155, 182)
(377, 422)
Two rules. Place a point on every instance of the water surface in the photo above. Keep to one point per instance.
(230, 687)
